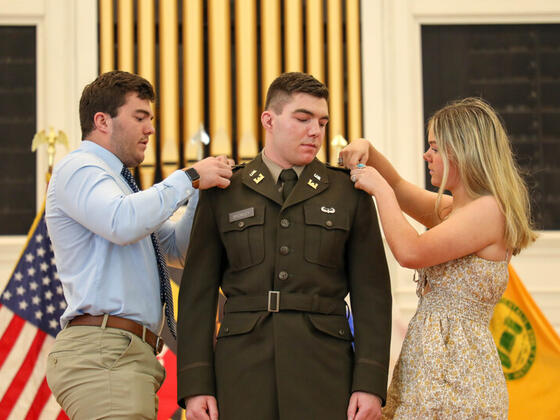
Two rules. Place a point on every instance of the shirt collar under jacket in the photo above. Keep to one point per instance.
(275, 169)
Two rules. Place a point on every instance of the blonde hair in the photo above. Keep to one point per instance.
(470, 133)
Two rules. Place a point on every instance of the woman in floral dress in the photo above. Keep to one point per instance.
(449, 366)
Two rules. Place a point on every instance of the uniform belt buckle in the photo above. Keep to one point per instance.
(273, 301)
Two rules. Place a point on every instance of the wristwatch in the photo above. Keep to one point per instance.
(193, 175)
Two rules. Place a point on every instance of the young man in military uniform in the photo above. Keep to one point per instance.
(286, 242)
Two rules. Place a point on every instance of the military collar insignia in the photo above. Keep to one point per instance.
(313, 184)
(259, 178)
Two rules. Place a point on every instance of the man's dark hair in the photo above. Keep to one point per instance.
(285, 85)
(108, 93)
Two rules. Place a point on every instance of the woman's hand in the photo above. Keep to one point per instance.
(356, 152)
(368, 179)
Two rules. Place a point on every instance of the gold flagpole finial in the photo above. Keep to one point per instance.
(50, 140)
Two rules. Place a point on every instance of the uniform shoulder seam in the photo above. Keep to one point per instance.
(337, 168)
(238, 166)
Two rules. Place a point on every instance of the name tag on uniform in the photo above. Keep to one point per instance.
(241, 214)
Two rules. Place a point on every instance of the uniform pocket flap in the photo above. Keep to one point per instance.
(326, 217)
(333, 325)
(239, 323)
(238, 220)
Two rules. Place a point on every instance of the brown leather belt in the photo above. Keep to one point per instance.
(121, 323)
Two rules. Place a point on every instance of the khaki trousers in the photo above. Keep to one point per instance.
(104, 373)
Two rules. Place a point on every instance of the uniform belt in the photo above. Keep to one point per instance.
(123, 324)
(275, 301)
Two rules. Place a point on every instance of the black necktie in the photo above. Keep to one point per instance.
(164, 286)
(289, 179)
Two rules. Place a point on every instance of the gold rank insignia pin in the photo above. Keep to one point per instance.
(312, 184)
(258, 178)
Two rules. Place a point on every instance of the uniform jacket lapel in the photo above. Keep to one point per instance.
(257, 177)
(313, 180)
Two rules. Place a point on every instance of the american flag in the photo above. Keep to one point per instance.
(30, 309)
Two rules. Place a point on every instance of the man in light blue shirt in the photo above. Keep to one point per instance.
(109, 241)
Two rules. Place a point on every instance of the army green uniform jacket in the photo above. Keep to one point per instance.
(284, 349)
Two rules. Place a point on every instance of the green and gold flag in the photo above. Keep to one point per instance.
(529, 349)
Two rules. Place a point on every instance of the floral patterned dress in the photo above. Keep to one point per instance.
(449, 366)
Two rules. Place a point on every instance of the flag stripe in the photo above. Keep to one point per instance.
(16, 357)
(51, 410)
(16, 387)
(62, 416)
(168, 392)
(43, 394)
(5, 318)
(32, 389)
(9, 337)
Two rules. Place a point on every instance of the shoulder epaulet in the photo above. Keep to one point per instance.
(238, 166)
(338, 168)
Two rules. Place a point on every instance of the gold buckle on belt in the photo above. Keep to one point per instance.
(273, 302)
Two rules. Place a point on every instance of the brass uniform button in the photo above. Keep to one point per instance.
(284, 223)
(284, 250)
(329, 223)
(241, 224)
(283, 275)
(341, 332)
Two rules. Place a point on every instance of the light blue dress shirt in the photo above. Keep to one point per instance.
(100, 233)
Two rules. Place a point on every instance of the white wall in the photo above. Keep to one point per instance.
(391, 37)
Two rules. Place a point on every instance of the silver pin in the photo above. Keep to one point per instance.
(329, 210)
(317, 177)
(253, 172)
